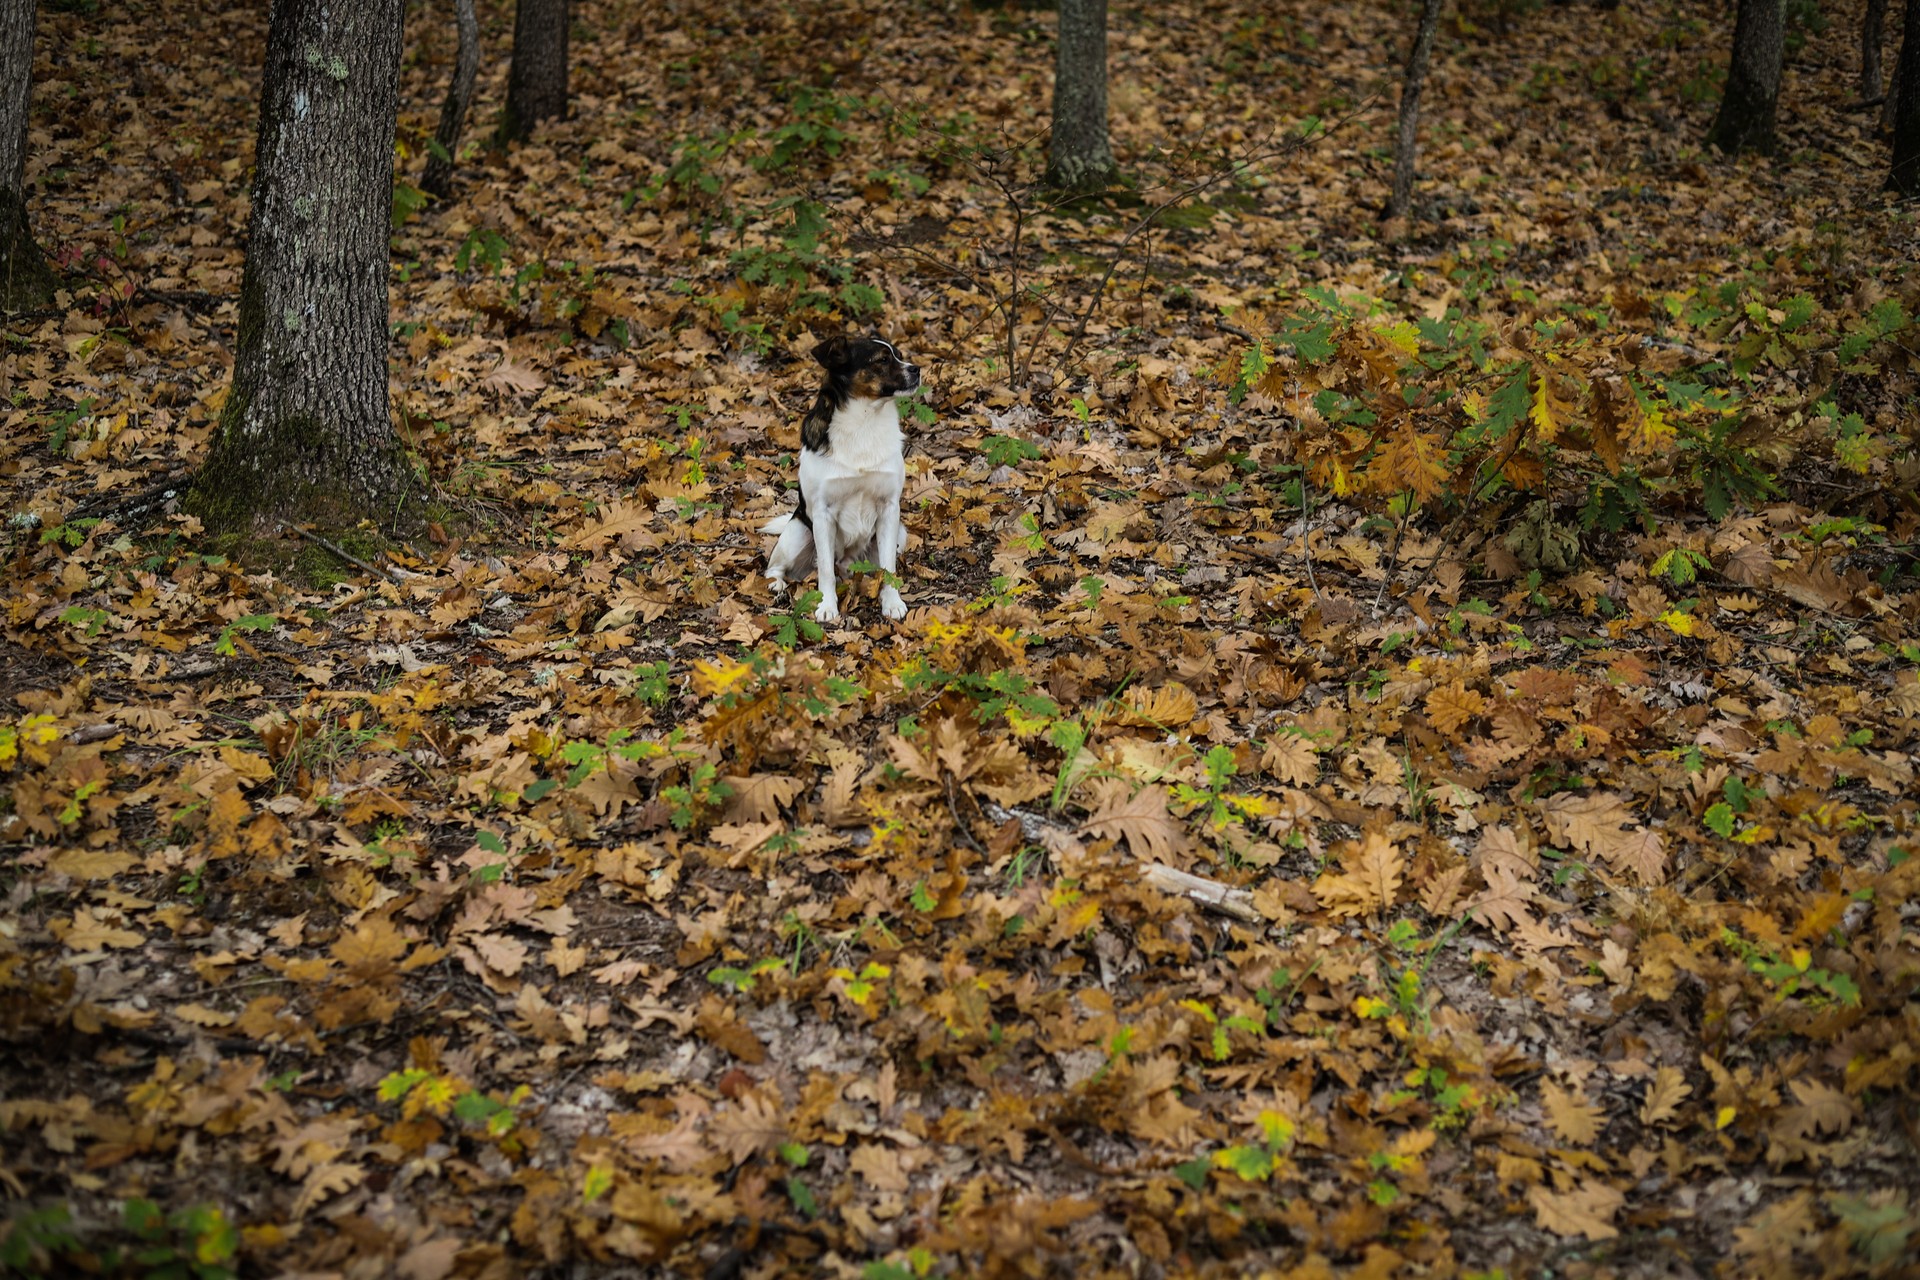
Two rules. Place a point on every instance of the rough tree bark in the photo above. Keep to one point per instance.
(437, 181)
(26, 282)
(1079, 158)
(1870, 48)
(537, 78)
(1403, 147)
(1745, 121)
(305, 434)
(1892, 99)
(1904, 177)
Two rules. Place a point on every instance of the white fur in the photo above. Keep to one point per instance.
(853, 498)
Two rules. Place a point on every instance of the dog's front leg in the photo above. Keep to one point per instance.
(888, 539)
(826, 553)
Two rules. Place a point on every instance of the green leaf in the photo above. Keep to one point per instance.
(1249, 1164)
(1008, 451)
(474, 1108)
(802, 1197)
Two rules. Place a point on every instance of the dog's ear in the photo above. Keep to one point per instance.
(834, 353)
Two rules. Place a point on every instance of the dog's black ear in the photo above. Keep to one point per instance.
(834, 353)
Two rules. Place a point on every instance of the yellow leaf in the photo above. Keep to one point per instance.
(1724, 1117)
(713, 679)
(1680, 623)
(1547, 408)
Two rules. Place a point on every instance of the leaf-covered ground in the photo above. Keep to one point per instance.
(559, 898)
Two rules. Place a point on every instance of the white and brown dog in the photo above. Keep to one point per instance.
(851, 474)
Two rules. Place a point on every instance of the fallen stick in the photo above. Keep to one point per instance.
(342, 552)
(1237, 903)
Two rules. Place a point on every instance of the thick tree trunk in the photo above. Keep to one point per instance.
(1905, 174)
(26, 282)
(537, 79)
(305, 433)
(1870, 48)
(437, 181)
(1080, 159)
(1748, 109)
(1403, 147)
(1890, 105)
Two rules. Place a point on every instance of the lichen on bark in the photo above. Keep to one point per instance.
(1079, 156)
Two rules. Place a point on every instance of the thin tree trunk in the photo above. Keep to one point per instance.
(305, 433)
(437, 181)
(1403, 148)
(1749, 107)
(1079, 157)
(537, 79)
(1904, 176)
(1870, 48)
(26, 282)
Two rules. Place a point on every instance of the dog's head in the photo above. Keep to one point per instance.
(865, 369)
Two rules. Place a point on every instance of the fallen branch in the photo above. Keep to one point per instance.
(391, 575)
(1225, 899)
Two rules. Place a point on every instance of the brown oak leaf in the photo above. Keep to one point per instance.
(1142, 819)
(1585, 1211)
(1575, 1120)
(749, 1127)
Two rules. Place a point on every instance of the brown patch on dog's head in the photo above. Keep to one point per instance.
(867, 384)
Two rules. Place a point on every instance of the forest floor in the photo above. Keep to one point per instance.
(555, 901)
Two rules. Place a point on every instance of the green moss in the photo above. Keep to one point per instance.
(300, 560)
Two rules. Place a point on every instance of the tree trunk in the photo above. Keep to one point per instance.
(437, 181)
(305, 433)
(537, 79)
(1079, 158)
(1745, 121)
(1870, 48)
(1891, 103)
(1905, 174)
(26, 282)
(1403, 147)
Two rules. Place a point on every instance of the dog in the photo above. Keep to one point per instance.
(852, 473)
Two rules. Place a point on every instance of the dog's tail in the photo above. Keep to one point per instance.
(777, 525)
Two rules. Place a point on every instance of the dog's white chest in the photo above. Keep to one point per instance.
(856, 482)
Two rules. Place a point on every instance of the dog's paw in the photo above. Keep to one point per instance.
(892, 606)
(827, 611)
(776, 584)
